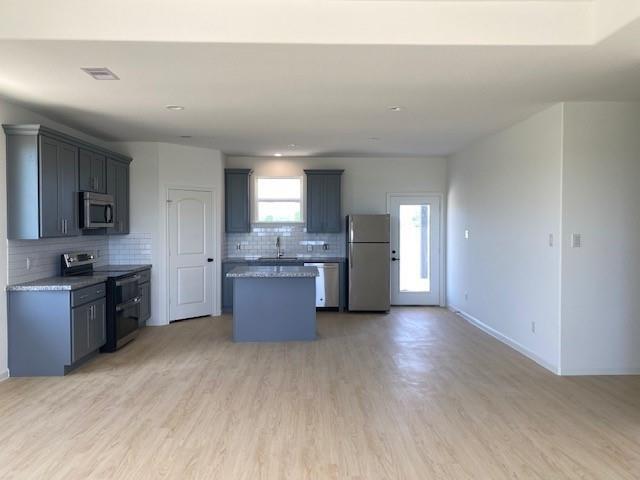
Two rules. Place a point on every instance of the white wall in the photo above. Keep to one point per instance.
(366, 181)
(11, 113)
(601, 201)
(506, 190)
(156, 167)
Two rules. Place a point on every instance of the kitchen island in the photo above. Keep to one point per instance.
(274, 304)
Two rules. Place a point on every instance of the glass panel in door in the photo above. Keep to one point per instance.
(415, 246)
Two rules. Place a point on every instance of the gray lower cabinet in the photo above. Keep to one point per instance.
(46, 170)
(52, 332)
(145, 304)
(118, 185)
(88, 329)
(227, 284)
(237, 218)
(92, 171)
(324, 201)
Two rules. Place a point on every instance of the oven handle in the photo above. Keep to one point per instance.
(127, 281)
(129, 304)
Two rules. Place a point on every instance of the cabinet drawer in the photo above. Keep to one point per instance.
(145, 276)
(88, 294)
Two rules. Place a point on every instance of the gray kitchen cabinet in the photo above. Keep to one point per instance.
(58, 188)
(324, 201)
(88, 329)
(237, 218)
(118, 187)
(52, 332)
(145, 302)
(44, 178)
(91, 171)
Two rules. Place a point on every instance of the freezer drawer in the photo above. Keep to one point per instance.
(369, 277)
(327, 284)
(368, 228)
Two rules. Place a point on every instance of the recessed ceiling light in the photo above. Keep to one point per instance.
(175, 108)
(100, 73)
(395, 108)
(291, 145)
(277, 154)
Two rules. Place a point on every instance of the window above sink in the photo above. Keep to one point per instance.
(278, 200)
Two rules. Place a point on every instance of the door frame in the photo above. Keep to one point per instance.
(216, 251)
(442, 253)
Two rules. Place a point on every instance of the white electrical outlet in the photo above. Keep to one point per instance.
(533, 327)
(576, 240)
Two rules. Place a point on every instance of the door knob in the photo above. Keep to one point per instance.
(393, 259)
(209, 260)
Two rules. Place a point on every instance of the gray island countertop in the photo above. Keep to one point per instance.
(273, 272)
(57, 284)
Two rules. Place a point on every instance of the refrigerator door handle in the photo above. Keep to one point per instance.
(351, 256)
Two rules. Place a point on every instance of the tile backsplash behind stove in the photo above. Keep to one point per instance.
(294, 240)
(35, 259)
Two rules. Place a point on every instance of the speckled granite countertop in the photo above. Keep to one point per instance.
(57, 284)
(250, 259)
(273, 272)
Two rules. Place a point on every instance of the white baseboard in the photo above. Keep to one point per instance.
(4, 375)
(504, 339)
(577, 372)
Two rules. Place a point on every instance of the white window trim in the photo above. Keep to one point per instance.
(254, 199)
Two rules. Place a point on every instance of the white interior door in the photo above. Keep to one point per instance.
(415, 249)
(191, 249)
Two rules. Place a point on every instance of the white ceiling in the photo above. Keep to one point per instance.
(255, 98)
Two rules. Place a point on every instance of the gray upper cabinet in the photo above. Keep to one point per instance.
(324, 201)
(92, 171)
(237, 218)
(58, 213)
(46, 170)
(118, 186)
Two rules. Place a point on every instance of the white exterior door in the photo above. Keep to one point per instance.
(191, 286)
(415, 249)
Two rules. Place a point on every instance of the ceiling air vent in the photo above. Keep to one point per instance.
(100, 73)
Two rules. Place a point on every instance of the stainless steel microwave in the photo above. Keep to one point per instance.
(96, 210)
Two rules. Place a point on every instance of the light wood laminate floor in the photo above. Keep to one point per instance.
(416, 394)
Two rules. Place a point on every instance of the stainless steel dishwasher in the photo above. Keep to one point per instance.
(327, 284)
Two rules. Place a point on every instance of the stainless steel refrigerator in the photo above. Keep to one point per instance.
(368, 262)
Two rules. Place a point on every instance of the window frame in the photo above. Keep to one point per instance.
(255, 200)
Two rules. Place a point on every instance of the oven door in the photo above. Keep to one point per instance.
(96, 210)
(127, 309)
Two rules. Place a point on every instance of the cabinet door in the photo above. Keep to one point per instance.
(98, 325)
(80, 321)
(117, 185)
(145, 304)
(227, 285)
(98, 172)
(85, 177)
(315, 203)
(68, 188)
(50, 218)
(332, 204)
(236, 194)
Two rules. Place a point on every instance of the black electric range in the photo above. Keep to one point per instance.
(123, 295)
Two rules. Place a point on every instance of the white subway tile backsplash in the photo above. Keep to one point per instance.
(44, 254)
(294, 240)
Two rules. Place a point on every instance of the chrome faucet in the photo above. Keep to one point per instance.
(279, 251)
